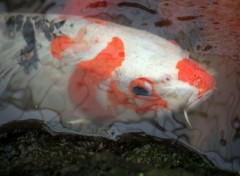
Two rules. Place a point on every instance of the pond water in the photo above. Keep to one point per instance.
(209, 30)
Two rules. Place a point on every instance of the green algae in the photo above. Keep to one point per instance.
(34, 151)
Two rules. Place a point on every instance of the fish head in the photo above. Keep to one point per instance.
(138, 78)
(165, 79)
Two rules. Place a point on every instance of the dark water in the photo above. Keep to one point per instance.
(209, 30)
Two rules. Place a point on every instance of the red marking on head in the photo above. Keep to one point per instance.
(84, 82)
(60, 44)
(153, 102)
(191, 73)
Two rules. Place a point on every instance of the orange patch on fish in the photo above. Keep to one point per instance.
(60, 44)
(105, 62)
(191, 73)
(84, 82)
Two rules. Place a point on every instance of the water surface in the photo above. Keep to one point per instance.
(209, 30)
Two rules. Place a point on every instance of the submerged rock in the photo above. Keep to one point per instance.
(33, 150)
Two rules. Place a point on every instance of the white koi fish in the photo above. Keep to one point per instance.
(92, 70)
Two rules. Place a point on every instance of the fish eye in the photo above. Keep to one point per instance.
(141, 87)
(138, 90)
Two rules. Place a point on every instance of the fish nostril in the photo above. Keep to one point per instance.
(167, 79)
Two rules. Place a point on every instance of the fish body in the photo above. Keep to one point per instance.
(92, 70)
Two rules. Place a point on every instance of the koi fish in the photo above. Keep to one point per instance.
(92, 70)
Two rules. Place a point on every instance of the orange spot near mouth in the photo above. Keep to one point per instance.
(84, 82)
(60, 44)
(191, 73)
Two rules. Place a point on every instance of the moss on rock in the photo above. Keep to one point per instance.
(34, 151)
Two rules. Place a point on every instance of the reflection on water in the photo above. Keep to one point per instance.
(209, 30)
